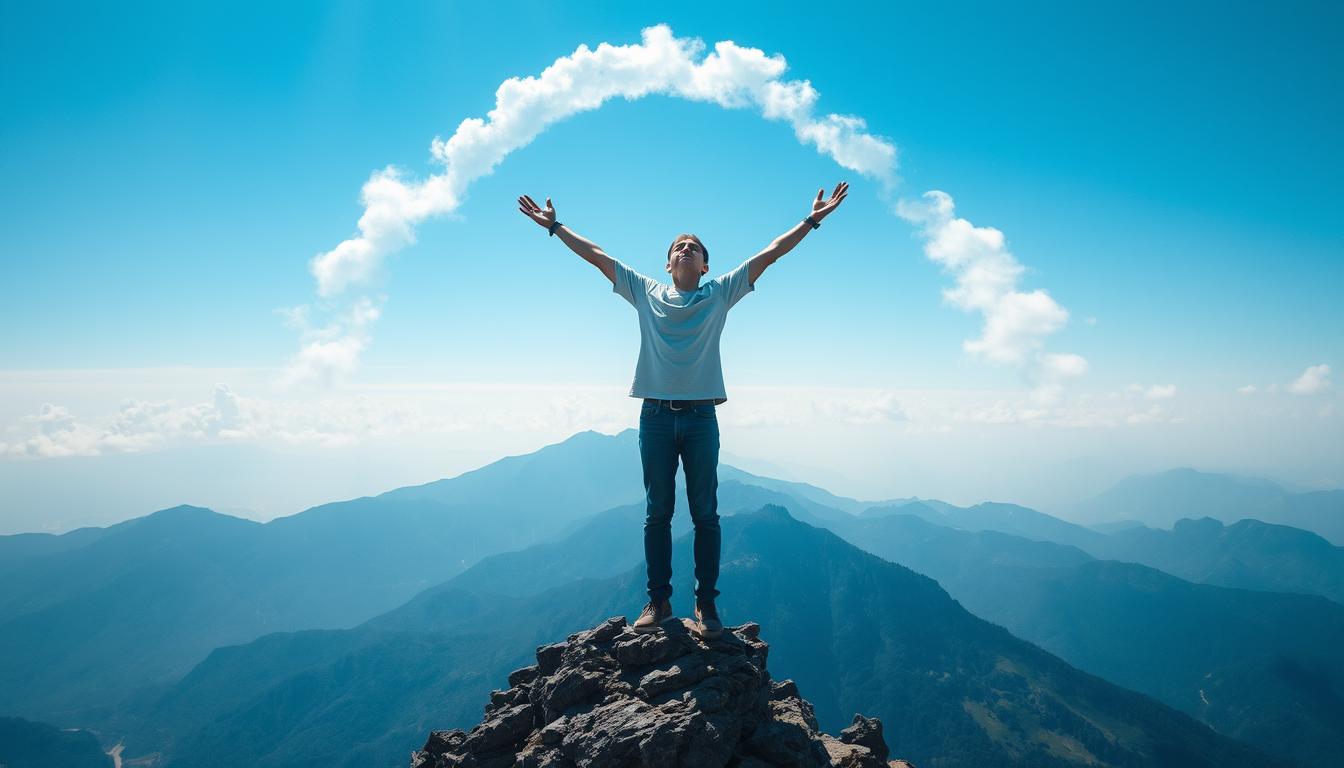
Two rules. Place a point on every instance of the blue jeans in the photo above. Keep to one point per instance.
(691, 433)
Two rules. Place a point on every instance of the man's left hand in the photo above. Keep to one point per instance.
(821, 209)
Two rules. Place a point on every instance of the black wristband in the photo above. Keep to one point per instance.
(813, 222)
(551, 228)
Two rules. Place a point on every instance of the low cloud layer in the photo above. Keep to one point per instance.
(138, 425)
(401, 413)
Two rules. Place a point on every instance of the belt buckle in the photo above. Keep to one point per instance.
(673, 407)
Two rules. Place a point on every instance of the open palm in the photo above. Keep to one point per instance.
(543, 216)
(821, 209)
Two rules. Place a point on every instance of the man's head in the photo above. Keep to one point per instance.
(688, 253)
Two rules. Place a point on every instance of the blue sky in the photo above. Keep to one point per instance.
(1165, 174)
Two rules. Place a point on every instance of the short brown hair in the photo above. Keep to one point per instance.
(683, 236)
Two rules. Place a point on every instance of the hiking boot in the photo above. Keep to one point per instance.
(654, 616)
(707, 624)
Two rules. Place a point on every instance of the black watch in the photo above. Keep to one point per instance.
(813, 222)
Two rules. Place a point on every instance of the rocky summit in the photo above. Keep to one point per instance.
(609, 696)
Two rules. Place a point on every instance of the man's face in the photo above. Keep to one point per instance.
(686, 255)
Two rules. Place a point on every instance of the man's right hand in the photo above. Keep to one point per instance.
(543, 216)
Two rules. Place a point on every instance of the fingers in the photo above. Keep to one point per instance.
(548, 203)
(528, 207)
(819, 191)
(841, 191)
(838, 195)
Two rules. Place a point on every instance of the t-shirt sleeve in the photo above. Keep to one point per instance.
(628, 283)
(736, 284)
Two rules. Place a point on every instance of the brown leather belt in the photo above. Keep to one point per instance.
(677, 405)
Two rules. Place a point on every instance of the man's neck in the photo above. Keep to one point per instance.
(685, 284)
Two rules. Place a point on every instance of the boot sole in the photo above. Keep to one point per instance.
(646, 630)
(699, 630)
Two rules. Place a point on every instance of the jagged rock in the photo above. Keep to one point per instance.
(608, 696)
(866, 732)
(519, 677)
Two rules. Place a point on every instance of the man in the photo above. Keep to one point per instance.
(679, 376)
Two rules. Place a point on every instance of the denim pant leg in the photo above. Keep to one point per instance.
(658, 454)
(700, 462)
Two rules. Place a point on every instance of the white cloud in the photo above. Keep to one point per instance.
(1314, 380)
(1249, 389)
(1052, 371)
(1016, 322)
(53, 431)
(1064, 365)
(1160, 392)
(986, 275)
(1153, 415)
(329, 353)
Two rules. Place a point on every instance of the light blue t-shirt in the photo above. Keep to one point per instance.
(679, 333)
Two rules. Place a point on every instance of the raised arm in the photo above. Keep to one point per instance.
(590, 252)
(785, 242)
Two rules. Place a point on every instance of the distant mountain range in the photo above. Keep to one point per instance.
(1159, 500)
(187, 618)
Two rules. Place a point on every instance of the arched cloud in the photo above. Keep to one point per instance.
(732, 76)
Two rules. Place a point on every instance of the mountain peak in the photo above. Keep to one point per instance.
(184, 510)
(611, 696)
(769, 512)
(192, 516)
